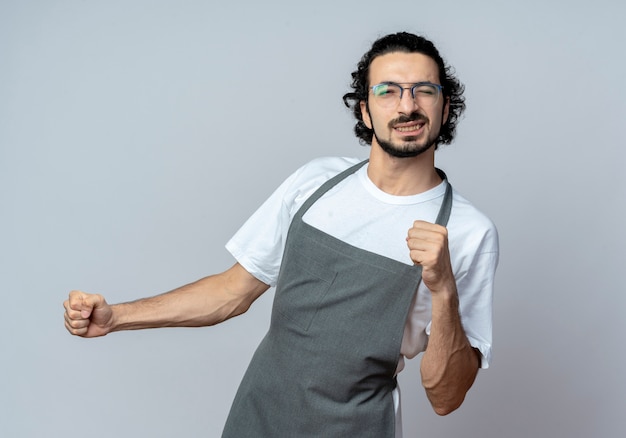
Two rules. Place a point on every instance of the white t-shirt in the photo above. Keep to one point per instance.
(359, 213)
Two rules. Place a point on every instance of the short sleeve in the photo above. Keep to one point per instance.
(258, 245)
(476, 304)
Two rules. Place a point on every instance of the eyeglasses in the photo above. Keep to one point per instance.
(389, 94)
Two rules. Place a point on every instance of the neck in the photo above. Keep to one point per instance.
(402, 176)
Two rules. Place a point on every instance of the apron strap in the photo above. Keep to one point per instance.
(326, 187)
(446, 205)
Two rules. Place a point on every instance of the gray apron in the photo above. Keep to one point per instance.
(326, 367)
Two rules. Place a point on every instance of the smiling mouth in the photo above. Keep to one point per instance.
(410, 128)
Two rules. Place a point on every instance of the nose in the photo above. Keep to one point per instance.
(407, 104)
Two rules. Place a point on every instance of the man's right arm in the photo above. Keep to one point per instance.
(205, 302)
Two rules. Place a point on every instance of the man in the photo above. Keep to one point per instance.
(355, 291)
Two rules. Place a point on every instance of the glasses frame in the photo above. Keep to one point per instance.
(413, 87)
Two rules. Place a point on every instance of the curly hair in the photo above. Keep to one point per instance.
(406, 43)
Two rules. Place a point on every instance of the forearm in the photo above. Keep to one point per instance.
(450, 364)
(205, 302)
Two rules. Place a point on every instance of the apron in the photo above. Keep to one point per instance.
(326, 367)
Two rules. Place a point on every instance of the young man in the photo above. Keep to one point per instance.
(372, 261)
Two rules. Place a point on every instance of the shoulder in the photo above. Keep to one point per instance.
(325, 167)
(313, 174)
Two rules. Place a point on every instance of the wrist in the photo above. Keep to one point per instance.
(117, 320)
(445, 304)
(446, 292)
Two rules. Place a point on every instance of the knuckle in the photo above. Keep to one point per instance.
(72, 314)
(73, 330)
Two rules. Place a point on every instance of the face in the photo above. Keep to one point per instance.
(407, 129)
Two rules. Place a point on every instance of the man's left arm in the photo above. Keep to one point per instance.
(450, 364)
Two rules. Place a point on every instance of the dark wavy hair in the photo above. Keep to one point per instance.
(407, 43)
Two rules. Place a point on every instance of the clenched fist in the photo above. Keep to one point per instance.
(428, 246)
(87, 315)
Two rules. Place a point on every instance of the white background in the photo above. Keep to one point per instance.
(137, 136)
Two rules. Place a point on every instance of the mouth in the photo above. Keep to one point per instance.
(411, 128)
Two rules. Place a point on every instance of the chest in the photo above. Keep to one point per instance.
(352, 214)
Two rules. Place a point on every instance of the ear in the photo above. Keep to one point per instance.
(365, 114)
(446, 111)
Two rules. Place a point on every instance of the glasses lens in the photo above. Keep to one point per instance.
(426, 94)
(387, 94)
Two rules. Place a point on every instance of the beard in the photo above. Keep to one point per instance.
(412, 146)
